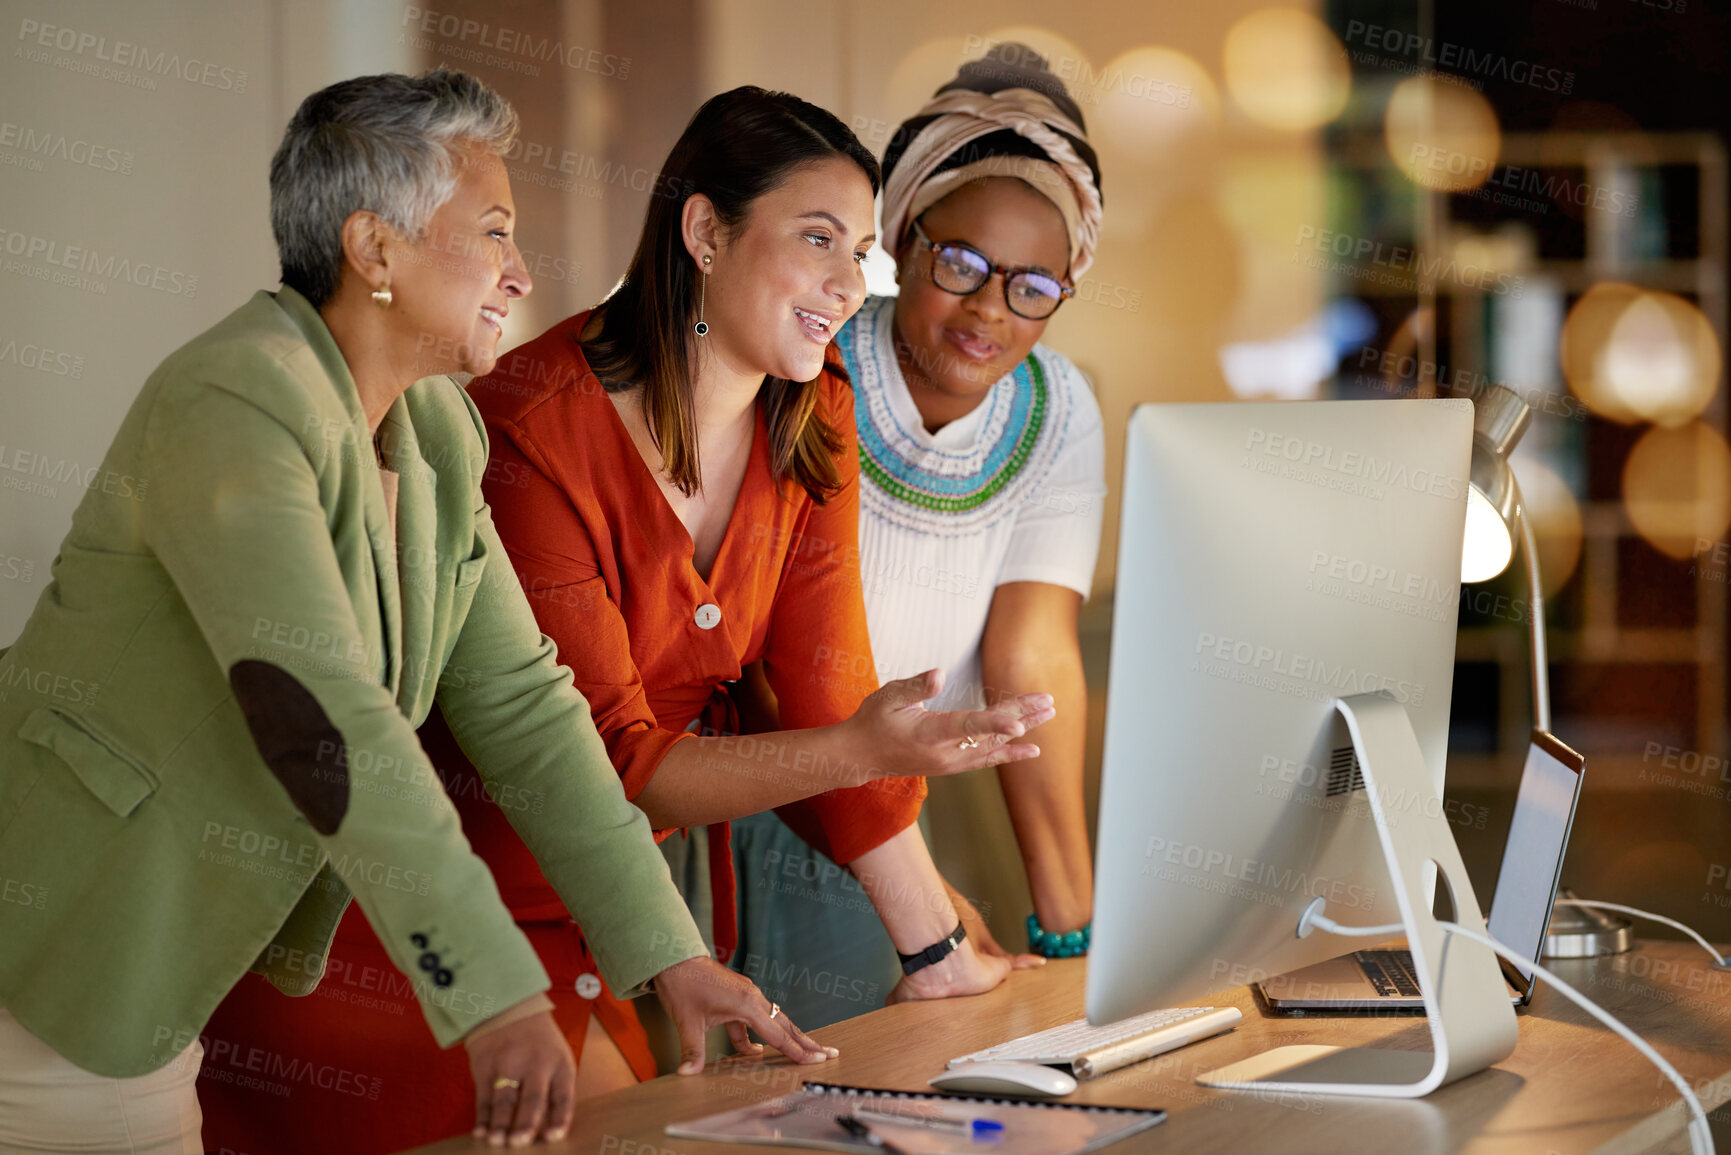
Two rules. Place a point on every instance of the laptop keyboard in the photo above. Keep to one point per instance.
(1389, 971)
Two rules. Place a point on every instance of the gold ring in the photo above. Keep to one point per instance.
(970, 742)
(504, 1081)
(774, 1010)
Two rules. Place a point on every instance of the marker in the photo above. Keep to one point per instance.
(860, 1131)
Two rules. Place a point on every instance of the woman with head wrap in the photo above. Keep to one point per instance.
(982, 473)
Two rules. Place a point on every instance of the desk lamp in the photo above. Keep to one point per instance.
(1494, 512)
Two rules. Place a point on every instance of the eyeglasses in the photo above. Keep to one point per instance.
(962, 269)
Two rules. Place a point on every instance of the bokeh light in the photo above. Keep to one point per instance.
(925, 68)
(1482, 258)
(1586, 332)
(1677, 487)
(1285, 69)
(1152, 101)
(1555, 516)
(1661, 359)
(1442, 135)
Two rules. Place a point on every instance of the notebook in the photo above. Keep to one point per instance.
(917, 1123)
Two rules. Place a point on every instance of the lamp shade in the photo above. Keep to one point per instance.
(1500, 417)
(1490, 537)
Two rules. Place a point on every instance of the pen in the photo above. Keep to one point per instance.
(860, 1131)
(977, 1129)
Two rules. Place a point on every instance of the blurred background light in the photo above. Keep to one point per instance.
(1661, 359)
(1285, 69)
(1555, 515)
(1442, 135)
(1292, 367)
(919, 73)
(1677, 487)
(1510, 249)
(1586, 332)
(1154, 102)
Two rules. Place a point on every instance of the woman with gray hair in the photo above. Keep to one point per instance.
(207, 725)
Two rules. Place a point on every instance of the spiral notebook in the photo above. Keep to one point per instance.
(919, 1124)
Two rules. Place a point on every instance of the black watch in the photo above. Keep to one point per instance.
(937, 952)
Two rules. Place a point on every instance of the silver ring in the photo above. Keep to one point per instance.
(774, 1010)
(970, 742)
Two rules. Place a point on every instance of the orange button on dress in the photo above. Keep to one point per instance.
(607, 567)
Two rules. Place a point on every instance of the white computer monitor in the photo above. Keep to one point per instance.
(1271, 558)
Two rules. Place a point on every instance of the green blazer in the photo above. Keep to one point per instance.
(207, 726)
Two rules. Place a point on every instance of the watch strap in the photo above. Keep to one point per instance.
(937, 952)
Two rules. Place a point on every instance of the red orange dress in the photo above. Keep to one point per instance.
(607, 567)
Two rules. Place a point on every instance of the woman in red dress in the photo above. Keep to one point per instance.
(674, 475)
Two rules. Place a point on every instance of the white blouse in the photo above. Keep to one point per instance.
(1011, 492)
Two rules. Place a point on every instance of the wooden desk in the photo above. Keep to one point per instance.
(1571, 1086)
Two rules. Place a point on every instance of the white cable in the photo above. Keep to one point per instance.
(1719, 960)
(1700, 1136)
(1322, 922)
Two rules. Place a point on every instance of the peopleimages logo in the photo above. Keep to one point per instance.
(44, 360)
(1385, 587)
(1396, 265)
(1467, 61)
(1258, 873)
(82, 260)
(508, 41)
(18, 464)
(1350, 463)
(1386, 578)
(1295, 674)
(39, 143)
(124, 54)
(1086, 84)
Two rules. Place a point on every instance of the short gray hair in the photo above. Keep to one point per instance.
(386, 144)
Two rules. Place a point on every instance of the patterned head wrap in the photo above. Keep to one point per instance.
(1004, 115)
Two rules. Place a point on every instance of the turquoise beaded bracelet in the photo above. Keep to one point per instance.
(1073, 944)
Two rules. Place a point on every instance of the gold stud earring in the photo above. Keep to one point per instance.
(702, 326)
(382, 297)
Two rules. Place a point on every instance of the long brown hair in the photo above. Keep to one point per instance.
(740, 145)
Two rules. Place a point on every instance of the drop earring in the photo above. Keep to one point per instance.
(382, 297)
(702, 326)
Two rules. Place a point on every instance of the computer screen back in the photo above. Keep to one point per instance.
(1272, 558)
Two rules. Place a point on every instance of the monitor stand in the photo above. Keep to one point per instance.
(1472, 1024)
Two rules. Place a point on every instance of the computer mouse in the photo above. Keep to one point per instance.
(1030, 1080)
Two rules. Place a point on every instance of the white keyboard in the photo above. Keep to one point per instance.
(1093, 1051)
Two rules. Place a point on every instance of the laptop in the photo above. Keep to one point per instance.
(1383, 980)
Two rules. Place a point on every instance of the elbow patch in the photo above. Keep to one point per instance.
(296, 739)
